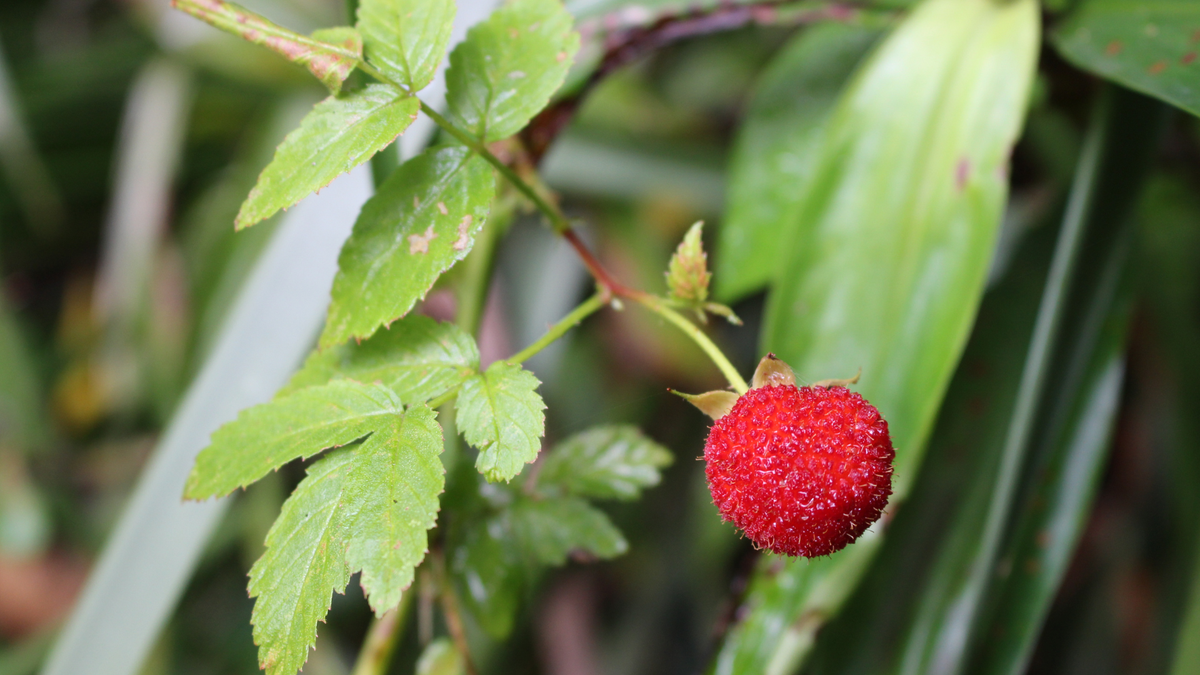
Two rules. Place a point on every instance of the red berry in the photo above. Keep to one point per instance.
(803, 471)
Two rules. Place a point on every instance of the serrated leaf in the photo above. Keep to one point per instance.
(687, 272)
(423, 219)
(365, 508)
(340, 133)
(775, 151)
(609, 462)
(1150, 47)
(406, 39)
(417, 357)
(508, 67)
(501, 414)
(267, 436)
(552, 528)
(330, 54)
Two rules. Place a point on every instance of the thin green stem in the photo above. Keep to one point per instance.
(380, 643)
(557, 220)
(584, 310)
(710, 348)
(450, 609)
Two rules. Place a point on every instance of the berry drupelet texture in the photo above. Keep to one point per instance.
(804, 471)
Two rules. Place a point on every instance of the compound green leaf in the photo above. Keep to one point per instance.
(552, 528)
(406, 39)
(417, 357)
(364, 508)
(888, 260)
(272, 434)
(330, 54)
(775, 152)
(340, 133)
(609, 462)
(508, 67)
(501, 414)
(423, 219)
(1151, 47)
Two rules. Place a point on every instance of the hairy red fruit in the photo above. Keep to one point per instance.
(803, 471)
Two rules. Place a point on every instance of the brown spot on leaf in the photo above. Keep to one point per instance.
(416, 202)
(560, 57)
(464, 239)
(419, 243)
(1157, 68)
(1113, 48)
(962, 172)
(442, 208)
(1188, 58)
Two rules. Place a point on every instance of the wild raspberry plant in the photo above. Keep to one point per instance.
(376, 394)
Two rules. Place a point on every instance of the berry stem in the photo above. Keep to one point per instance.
(656, 305)
(380, 644)
(584, 310)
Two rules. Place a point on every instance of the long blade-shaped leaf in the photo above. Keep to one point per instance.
(886, 270)
(776, 151)
(158, 539)
(1147, 46)
(1082, 284)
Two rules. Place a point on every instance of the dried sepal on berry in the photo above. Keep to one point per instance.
(772, 372)
(715, 404)
(687, 273)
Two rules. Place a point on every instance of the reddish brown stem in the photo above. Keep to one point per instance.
(625, 46)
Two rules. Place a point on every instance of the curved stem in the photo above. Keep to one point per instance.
(710, 348)
(584, 310)
(380, 643)
(557, 220)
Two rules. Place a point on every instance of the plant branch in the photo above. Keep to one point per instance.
(450, 610)
(557, 220)
(584, 310)
(656, 305)
(380, 643)
(628, 45)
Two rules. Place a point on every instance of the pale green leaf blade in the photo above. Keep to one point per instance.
(340, 133)
(608, 462)
(417, 357)
(398, 480)
(406, 39)
(330, 54)
(1150, 47)
(272, 434)
(367, 508)
(551, 529)
(423, 219)
(501, 414)
(508, 67)
(775, 152)
(887, 266)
